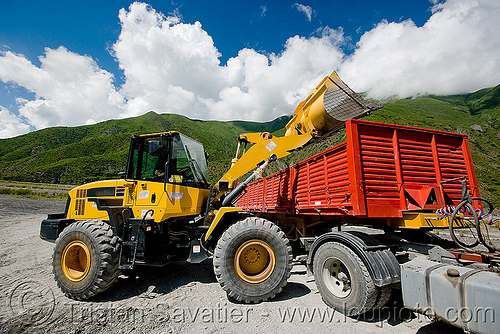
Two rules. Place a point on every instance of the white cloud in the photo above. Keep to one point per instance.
(307, 10)
(70, 89)
(262, 87)
(456, 51)
(171, 66)
(174, 67)
(11, 125)
(166, 63)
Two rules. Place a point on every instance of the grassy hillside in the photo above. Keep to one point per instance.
(86, 153)
(80, 154)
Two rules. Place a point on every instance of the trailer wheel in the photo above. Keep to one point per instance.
(343, 280)
(253, 260)
(85, 260)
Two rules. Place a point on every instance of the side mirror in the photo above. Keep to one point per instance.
(121, 175)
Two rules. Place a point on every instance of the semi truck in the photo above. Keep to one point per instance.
(386, 176)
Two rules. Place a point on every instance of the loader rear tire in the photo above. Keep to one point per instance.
(85, 260)
(344, 281)
(253, 260)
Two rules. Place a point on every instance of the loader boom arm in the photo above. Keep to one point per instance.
(324, 111)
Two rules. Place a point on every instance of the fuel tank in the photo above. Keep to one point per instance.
(464, 297)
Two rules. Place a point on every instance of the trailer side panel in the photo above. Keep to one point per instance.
(381, 171)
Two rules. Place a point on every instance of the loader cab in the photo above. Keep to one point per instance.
(169, 157)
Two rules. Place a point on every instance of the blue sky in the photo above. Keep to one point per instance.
(72, 63)
(91, 27)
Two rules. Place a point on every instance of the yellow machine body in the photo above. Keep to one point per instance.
(165, 179)
(142, 197)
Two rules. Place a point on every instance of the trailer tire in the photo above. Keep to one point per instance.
(253, 260)
(85, 259)
(343, 280)
(383, 296)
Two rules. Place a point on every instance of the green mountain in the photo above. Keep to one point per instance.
(75, 155)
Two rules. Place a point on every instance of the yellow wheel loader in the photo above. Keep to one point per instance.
(164, 208)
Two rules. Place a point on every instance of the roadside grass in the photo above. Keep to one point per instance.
(34, 190)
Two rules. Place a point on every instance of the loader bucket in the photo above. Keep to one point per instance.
(343, 104)
(328, 107)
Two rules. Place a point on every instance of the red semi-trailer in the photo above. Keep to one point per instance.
(393, 178)
(380, 171)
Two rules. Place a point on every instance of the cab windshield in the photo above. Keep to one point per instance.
(188, 163)
(172, 158)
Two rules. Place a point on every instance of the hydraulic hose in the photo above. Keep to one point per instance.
(258, 172)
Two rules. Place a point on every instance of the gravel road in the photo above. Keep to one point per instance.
(178, 298)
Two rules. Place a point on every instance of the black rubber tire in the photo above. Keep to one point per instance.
(103, 247)
(252, 228)
(383, 296)
(362, 294)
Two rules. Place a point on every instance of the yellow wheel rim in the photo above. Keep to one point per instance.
(254, 261)
(75, 261)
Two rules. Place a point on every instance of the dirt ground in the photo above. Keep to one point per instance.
(178, 298)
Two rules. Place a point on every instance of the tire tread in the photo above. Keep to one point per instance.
(107, 246)
(264, 226)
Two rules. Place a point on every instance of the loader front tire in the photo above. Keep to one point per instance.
(253, 260)
(85, 260)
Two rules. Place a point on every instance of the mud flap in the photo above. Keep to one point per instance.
(197, 253)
